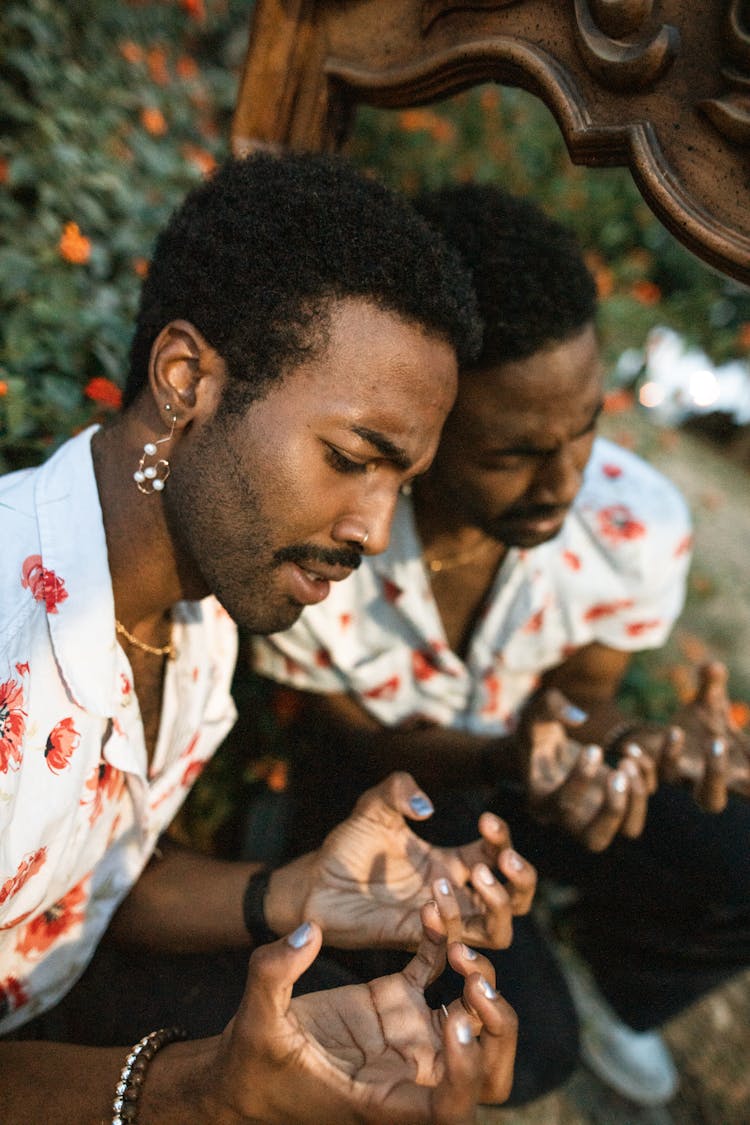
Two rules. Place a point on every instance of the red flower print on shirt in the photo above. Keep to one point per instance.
(535, 622)
(492, 685)
(637, 628)
(12, 725)
(12, 996)
(104, 784)
(345, 620)
(684, 545)
(391, 591)
(424, 664)
(28, 866)
(323, 658)
(606, 609)
(63, 740)
(44, 584)
(571, 559)
(23, 669)
(612, 471)
(617, 523)
(52, 924)
(386, 690)
(192, 772)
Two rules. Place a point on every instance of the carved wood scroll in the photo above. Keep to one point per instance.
(662, 86)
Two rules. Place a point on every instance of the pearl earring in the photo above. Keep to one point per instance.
(152, 478)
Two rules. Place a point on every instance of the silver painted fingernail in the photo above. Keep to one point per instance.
(301, 936)
(444, 886)
(469, 953)
(619, 782)
(421, 805)
(593, 753)
(573, 714)
(487, 989)
(634, 750)
(514, 860)
(463, 1033)
(485, 875)
(718, 747)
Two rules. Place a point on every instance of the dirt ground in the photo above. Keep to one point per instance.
(711, 1041)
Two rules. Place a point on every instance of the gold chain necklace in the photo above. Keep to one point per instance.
(450, 562)
(162, 650)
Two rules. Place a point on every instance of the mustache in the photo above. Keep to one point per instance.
(349, 557)
(536, 512)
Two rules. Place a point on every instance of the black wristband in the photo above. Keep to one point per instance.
(252, 907)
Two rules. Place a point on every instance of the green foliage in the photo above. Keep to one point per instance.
(110, 112)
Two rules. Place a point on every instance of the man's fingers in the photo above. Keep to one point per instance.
(450, 912)
(495, 835)
(494, 925)
(398, 795)
(552, 704)
(522, 880)
(712, 685)
(711, 789)
(605, 825)
(497, 1038)
(645, 764)
(455, 1098)
(272, 973)
(672, 750)
(634, 819)
(429, 960)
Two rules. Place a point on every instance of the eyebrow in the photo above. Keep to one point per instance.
(535, 451)
(384, 446)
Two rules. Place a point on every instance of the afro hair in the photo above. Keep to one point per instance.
(255, 256)
(533, 286)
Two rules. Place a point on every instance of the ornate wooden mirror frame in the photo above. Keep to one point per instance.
(662, 86)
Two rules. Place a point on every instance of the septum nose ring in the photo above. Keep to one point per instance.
(364, 538)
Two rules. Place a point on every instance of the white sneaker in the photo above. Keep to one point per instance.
(637, 1064)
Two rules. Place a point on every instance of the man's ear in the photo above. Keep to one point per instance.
(185, 371)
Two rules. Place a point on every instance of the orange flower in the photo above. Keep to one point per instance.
(140, 266)
(73, 246)
(603, 275)
(415, 120)
(153, 121)
(104, 391)
(4, 169)
(743, 335)
(277, 777)
(200, 158)
(157, 66)
(739, 713)
(617, 401)
(196, 9)
(132, 52)
(3, 388)
(187, 67)
(489, 99)
(646, 292)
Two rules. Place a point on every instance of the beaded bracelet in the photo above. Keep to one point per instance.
(128, 1090)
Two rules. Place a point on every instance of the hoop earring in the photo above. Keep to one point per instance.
(152, 478)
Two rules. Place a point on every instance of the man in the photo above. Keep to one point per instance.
(525, 567)
(293, 361)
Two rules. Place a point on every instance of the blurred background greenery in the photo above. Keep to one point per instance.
(111, 110)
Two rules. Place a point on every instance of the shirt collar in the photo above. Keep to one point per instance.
(74, 546)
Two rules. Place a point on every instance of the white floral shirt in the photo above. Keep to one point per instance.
(80, 810)
(615, 575)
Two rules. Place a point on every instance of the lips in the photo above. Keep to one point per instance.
(312, 585)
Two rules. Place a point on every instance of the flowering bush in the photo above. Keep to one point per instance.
(110, 114)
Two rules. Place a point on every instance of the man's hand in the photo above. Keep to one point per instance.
(570, 785)
(713, 755)
(366, 884)
(365, 1053)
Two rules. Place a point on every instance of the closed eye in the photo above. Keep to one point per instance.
(343, 464)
